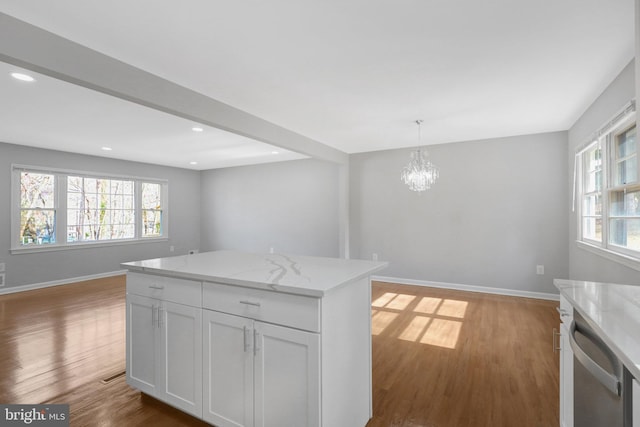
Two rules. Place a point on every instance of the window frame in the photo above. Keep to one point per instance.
(601, 192)
(607, 139)
(60, 209)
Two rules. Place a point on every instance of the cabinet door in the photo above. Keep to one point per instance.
(228, 370)
(566, 378)
(287, 377)
(142, 341)
(181, 356)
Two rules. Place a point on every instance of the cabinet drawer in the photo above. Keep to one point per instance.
(296, 311)
(188, 292)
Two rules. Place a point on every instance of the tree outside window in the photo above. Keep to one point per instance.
(151, 209)
(37, 208)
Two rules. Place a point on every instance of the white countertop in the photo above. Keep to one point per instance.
(611, 310)
(295, 274)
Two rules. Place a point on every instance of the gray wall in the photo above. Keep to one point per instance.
(289, 206)
(43, 267)
(585, 265)
(498, 210)
(501, 207)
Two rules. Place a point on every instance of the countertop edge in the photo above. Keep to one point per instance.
(315, 293)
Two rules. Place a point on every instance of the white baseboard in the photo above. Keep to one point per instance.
(33, 286)
(469, 288)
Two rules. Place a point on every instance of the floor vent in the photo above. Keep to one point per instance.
(113, 377)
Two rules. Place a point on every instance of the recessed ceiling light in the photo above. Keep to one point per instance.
(274, 152)
(22, 77)
(107, 148)
(197, 129)
(193, 163)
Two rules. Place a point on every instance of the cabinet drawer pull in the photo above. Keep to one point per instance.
(247, 336)
(556, 333)
(255, 304)
(156, 286)
(154, 315)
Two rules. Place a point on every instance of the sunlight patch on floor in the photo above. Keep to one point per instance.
(416, 328)
(442, 333)
(380, 320)
(453, 308)
(435, 321)
(427, 305)
(394, 301)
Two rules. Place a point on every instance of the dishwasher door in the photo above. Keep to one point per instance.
(597, 379)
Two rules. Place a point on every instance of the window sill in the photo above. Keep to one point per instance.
(83, 245)
(623, 259)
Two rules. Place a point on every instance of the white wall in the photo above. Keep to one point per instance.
(585, 265)
(497, 211)
(43, 267)
(289, 206)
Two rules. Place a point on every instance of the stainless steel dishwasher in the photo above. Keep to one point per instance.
(601, 384)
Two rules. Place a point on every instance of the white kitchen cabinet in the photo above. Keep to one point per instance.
(228, 370)
(164, 343)
(181, 356)
(258, 374)
(287, 377)
(566, 364)
(290, 360)
(142, 343)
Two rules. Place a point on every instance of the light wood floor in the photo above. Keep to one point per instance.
(440, 358)
(451, 358)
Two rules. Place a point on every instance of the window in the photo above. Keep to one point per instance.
(592, 193)
(624, 197)
(64, 209)
(609, 209)
(151, 209)
(37, 208)
(99, 209)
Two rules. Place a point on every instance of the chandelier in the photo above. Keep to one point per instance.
(420, 173)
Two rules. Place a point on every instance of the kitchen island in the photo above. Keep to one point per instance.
(244, 339)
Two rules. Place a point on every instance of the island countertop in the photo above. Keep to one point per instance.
(295, 274)
(613, 311)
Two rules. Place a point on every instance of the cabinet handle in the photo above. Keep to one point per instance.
(255, 304)
(555, 334)
(156, 286)
(247, 343)
(256, 340)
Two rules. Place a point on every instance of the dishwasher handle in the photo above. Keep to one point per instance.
(611, 382)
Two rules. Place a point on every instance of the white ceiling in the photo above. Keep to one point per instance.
(50, 113)
(351, 74)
